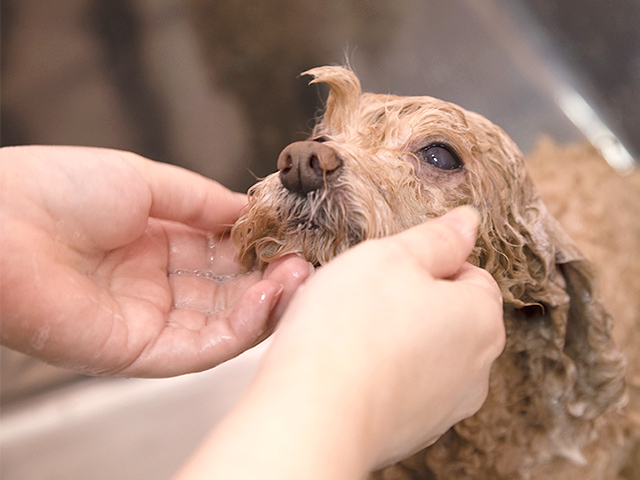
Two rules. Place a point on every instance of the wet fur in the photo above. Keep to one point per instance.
(556, 402)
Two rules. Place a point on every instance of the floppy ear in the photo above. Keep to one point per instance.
(552, 308)
(559, 340)
(588, 343)
(560, 321)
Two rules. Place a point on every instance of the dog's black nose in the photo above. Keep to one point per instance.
(308, 166)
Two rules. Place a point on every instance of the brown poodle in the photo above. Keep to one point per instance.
(378, 164)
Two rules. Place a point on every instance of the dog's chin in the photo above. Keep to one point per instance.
(318, 236)
(316, 226)
(315, 243)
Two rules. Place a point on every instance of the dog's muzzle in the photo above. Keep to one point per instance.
(308, 166)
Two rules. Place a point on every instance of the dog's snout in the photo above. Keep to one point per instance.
(308, 166)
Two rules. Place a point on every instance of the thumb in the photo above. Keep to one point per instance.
(442, 245)
(183, 196)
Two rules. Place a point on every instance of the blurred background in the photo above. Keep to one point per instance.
(214, 86)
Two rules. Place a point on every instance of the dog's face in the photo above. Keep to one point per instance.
(378, 164)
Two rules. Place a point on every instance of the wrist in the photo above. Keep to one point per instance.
(294, 422)
(323, 423)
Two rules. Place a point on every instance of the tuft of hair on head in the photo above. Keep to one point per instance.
(344, 95)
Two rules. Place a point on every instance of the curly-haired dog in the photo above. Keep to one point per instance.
(378, 164)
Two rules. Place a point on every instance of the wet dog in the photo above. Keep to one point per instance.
(378, 164)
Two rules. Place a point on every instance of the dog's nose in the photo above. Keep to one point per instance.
(308, 166)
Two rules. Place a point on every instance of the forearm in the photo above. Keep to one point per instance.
(282, 429)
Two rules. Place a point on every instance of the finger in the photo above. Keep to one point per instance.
(224, 335)
(253, 316)
(249, 319)
(230, 331)
(290, 271)
(256, 313)
(480, 289)
(478, 277)
(187, 197)
(443, 244)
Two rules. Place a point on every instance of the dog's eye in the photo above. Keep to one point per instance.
(440, 156)
(321, 139)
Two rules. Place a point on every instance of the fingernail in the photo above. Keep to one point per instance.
(312, 269)
(278, 293)
(465, 220)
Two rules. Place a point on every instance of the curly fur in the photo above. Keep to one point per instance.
(555, 405)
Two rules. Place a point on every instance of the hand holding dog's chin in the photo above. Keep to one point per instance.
(402, 331)
(378, 354)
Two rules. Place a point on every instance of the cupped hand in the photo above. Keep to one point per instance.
(112, 264)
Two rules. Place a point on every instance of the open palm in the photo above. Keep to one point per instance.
(113, 264)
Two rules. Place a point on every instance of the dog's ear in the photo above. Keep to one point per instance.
(588, 342)
(560, 324)
(598, 383)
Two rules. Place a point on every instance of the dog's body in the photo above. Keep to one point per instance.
(378, 164)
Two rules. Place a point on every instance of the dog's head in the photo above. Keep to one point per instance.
(378, 164)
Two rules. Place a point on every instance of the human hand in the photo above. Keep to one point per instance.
(378, 354)
(404, 327)
(116, 265)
